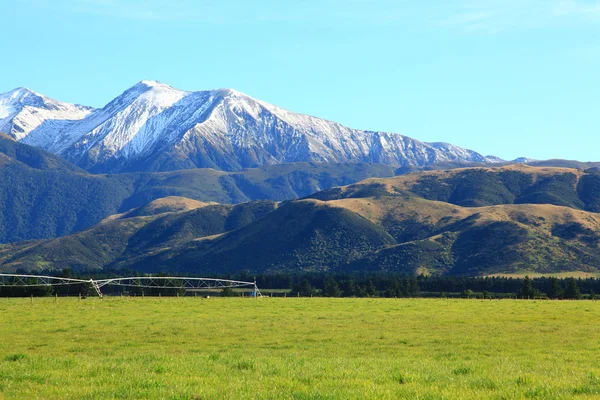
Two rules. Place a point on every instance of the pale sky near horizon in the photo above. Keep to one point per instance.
(504, 77)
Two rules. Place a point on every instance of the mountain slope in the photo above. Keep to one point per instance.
(43, 196)
(154, 127)
(330, 234)
(129, 236)
(368, 234)
(376, 225)
(36, 119)
(474, 187)
(14, 153)
(297, 236)
(465, 241)
(486, 233)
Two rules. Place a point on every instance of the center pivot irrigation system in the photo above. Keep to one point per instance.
(149, 282)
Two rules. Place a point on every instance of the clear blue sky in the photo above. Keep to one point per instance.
(504, 77)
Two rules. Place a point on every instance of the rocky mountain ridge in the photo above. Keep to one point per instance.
(155, 127)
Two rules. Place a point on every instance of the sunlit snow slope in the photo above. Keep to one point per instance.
(155, 127)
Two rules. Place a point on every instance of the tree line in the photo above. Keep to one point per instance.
(348, 285)
(398, 285)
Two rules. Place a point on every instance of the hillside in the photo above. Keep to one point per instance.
(482, 186)
(14, 153)
(130, 236)
(395, 235)
(375, 225)
(43, 196)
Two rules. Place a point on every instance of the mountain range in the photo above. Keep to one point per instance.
(473, 221)
(216, 182)
(155, 127)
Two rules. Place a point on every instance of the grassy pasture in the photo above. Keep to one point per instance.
(193, 348)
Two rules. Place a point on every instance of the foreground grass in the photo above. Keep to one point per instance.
(298, 348)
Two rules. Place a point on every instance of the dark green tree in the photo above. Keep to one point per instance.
(361, 291)
(331, 288)
(572, 291)
(527, 290)
(348, 288)
(305, 288)
(371, 289)
(412, 287)
(395, 289)
(556, 291)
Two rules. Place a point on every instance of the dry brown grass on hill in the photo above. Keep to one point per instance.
(378, 209)
(176, 203)
(542, 216)
(406, 181)
(171, 204)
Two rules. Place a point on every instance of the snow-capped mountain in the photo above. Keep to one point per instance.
(153, 126)
(35, 119)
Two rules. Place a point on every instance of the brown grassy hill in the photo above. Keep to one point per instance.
(395, 224)
(128, 237)
(424, 237)
(476, 187)
(168, 204)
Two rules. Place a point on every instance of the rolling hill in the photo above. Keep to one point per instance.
(394, 224)
(131, 235)
(43, 196)
(482, 186)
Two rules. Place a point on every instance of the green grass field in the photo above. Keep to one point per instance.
(193, 348)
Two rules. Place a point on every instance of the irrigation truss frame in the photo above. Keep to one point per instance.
(148, 282)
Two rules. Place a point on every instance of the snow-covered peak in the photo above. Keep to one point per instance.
(155, 126)
(523, 160)
(22, 97)
(23, 111)
(159, 94)
(151, 83)
(147, 92)
(130, 124)
(228, 92)
(146, 85)
(19, 94)
(13, 101)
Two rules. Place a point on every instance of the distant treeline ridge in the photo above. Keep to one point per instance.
(356, 285)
